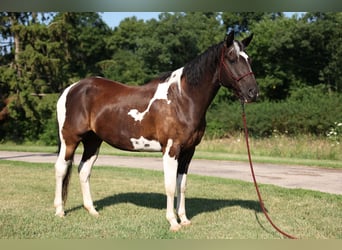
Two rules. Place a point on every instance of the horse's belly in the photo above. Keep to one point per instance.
(143, 144)
(140, 144)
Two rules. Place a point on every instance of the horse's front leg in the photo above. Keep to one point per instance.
(183, 166)
(170, 165)
(181, 188)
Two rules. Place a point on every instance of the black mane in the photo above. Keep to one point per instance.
(194, 70)
(207, 61)
(163, 76)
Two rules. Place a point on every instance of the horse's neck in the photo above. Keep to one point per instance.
(205, 86)
(203, 94)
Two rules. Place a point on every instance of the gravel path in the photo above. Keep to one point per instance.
(312, 178)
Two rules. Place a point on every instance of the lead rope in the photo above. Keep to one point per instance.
(254, 179)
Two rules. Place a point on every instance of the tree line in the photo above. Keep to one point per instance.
(296, 60)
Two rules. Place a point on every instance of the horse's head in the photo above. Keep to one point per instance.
(235, 70)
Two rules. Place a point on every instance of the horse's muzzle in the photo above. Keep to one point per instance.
(253, 94)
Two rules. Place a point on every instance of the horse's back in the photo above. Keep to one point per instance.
(102, 106)
(82, 99)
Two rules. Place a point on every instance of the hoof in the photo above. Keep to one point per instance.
(175, 228)
(186, 223)
(93, 211)
(60, 214)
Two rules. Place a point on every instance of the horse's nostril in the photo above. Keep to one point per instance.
(253, 93)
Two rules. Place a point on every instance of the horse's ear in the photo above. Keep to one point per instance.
(229, 39)
(247, 40)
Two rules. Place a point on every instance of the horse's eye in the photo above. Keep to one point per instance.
(232, 61)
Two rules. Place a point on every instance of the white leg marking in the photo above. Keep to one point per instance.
(142, 144)
(181, 188)
(61, 165)
(160, 94)
(170, 174)
(84, 174)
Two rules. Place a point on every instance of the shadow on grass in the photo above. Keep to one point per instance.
(194, 206)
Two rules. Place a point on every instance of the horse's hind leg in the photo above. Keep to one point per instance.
(91, 145)
(62, 174)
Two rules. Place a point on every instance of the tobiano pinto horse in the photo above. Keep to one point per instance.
(165, 115)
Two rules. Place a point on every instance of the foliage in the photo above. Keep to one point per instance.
(308, 110)
(47, 58)
(293, 53)
(335, 133)
(42, 53)
(240, 22)
(142, 50)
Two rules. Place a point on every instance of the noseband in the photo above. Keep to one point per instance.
(228, 71)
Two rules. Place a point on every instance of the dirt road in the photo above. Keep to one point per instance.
(312, 178)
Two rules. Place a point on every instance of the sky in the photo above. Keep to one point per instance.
(113, 19)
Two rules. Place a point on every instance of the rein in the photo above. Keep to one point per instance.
(254, 179)
(227, 69)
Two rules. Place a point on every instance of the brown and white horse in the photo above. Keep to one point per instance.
(166, 115)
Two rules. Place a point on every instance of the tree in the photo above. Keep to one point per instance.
(160, 45)
(326, 27)
(177, 38)
(240, 22)
(124, 64)
(43, 59)
(289, 53)
(81, 38)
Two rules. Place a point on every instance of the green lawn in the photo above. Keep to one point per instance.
(132, 204)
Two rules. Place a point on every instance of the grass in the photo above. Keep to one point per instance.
(304, 150)
(132, 206)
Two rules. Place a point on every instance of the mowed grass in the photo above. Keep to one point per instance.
(132, 204)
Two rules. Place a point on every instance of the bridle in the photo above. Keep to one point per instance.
(224, 65)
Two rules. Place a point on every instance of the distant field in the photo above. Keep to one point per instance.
(132, 206)
(304, 150)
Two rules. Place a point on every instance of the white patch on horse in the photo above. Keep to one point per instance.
(61, 107)
(160, 94)
(143, 144)
(243, 54)
(239, 52)
(237, 48)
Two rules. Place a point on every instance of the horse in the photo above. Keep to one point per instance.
(165, 115)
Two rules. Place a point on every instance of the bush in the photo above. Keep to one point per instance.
(49, 136)
(310, 110)
(35, 124)
(335, 133)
